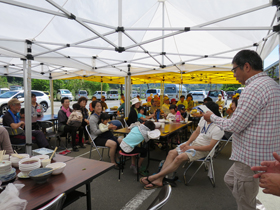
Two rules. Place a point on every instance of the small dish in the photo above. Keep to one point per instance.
(22, 176)
(40, 175)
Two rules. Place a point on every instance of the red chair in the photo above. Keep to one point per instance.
(122, 160)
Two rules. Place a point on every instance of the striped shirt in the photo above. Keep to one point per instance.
(255, 124)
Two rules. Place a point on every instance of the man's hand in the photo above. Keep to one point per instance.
(268, 166)
(185, 147)
(271, 183)
(207, 116)
(86, 120)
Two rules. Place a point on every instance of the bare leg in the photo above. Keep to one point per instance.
(169, 168)
(113, 146)
(140, 162)
(133, 160)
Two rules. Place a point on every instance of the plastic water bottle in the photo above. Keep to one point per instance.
(178, 116)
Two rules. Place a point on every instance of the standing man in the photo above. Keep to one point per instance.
(255, 125)
(36, 109)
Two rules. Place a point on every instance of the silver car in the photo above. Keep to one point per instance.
(81, 93)
(61, 93)
(198, 95)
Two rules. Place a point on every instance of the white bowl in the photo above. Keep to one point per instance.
(157, 124)
(161, 120)
(42, 157)
(26, 168)
(15, 160)
(58, 167)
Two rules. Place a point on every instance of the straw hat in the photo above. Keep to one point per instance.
(134, 101)
(14, 101)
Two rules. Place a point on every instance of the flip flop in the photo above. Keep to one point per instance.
(142, 178)
(153, 187)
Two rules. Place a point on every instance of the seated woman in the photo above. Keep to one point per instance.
(83, 102)
(133, 114)
(62, 117)
(95, 132)
(198, 146)
(5, 143)
(142, 117)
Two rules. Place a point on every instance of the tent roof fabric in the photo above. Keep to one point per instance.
(99, 40)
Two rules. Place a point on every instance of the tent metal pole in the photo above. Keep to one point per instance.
(127, 91)
(21, 55)
(154, 39)
(120, 22)
(39, 9)
(51, 93)
(27, 105)
(162, 58)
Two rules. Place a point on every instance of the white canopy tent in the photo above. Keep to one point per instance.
(129, 38)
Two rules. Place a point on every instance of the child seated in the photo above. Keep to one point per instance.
(76, 117)
(104, 127)
(138, 133)
(142, 117)
(183, 111)
(172, 115)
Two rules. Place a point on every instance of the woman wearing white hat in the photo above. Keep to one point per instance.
(133, 115)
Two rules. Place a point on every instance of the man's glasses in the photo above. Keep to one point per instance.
(234, 69)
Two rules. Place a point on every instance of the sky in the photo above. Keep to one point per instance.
(272, 57)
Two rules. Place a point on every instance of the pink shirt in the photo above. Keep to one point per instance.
(255, 124)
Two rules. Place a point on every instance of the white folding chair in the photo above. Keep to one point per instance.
(56, 203)
(94, 145)
(220, 147)
(161, 199)
(208, 163)
(125, 119)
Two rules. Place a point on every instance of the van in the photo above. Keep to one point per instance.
(81, 93)
(153, 91)
(97, 94)
(15, 87)
(113, 94)
(173, 91)
(4, 90)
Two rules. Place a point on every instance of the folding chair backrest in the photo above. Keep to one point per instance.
(117, 123)
(56, 203)
(161, 198)
(125, 119)
(212, 152)
(13, 132)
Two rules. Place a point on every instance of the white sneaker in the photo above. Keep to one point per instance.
(133, 168)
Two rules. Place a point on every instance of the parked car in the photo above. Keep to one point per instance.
(214, 95)
(61, 93)
(173, 91)
(15, 87)
(48, 94)
(81, 93)
(198, 96)
(4, 90)
(230, 94)
(42, 99)
(113, 94)
(133, 94)
(239, 90)
(153, 91)
(97, 94)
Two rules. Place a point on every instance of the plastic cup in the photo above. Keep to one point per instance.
(45, 162)
(162, 125)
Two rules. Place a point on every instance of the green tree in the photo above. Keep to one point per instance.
(40, 84)
(3, 82)
(231, 87)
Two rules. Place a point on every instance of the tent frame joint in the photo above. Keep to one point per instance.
(120, 49)
(276, 3)
(276, 28)
(72, 16)
(120, 29)
(187, 29)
